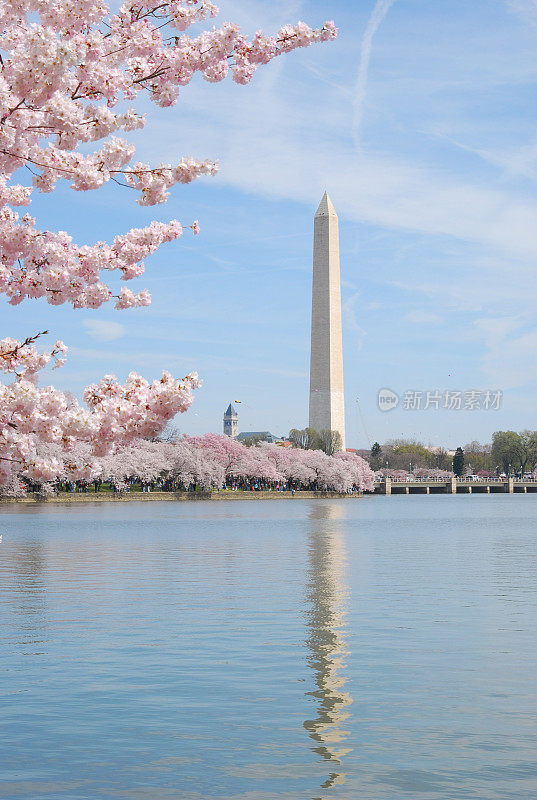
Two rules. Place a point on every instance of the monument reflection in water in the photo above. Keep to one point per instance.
(326, 596)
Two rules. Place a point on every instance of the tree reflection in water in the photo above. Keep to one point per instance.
(326, 600)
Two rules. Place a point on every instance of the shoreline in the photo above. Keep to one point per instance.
(97, 497)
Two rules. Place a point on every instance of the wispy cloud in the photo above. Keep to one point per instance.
(510, 363)
(305, 143)
(438, 216)
(495, 330)
(375, 21)
(519, 161)
(509, 341)
(103, 330)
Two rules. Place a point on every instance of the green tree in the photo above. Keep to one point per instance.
(375, 456)
(458, 462)
(508, 450)
(515, 451)
(402, 452)
(255, 439)
(529, 445)
(307, 439)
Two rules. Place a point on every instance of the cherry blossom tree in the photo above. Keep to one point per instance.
(258, 467)
(431, 472)
(439, 473)
(358, 471)
(232, 456)
(116, 413)
(68, 71)
(281, 458)
(195, 465)
(143, 461)
(208, 462)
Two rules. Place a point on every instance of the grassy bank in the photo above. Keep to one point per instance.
(109, 497)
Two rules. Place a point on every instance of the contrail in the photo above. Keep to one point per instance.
(375, 20)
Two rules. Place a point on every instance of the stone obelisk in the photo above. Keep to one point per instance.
(327, 403)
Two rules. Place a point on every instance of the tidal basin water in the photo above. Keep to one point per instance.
(372, 649)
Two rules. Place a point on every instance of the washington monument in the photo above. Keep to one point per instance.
(327, 402)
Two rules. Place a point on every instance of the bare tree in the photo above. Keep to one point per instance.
(330, 441)
(170, 434)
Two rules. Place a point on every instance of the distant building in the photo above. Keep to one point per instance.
(231, 422)
(437, 450)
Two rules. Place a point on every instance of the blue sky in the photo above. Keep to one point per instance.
(421, 121)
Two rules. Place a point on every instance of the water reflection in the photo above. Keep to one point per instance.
(24, 581)
(22, 577)
(326, 600)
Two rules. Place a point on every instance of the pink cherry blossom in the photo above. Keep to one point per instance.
(68, 68)
(116, 413)
(189, 461)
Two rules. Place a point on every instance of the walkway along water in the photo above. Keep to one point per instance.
(383, 486)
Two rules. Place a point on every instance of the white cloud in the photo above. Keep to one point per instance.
(275, 139)
(103, 330)
(290, 134)
(495, 330)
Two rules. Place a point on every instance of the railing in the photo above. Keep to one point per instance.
(413, 480)
(471, 479)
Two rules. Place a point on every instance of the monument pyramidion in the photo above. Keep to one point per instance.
(327, 402)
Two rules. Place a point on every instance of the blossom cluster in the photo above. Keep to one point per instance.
(68, 70)
(38, 263)
(23, 358)
(209, 461)
(116, 413)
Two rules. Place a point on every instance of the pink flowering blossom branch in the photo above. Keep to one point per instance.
(116, 413)
(61, 78)
(64, 67)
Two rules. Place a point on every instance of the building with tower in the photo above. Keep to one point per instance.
(231, 422)
(327, 402)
